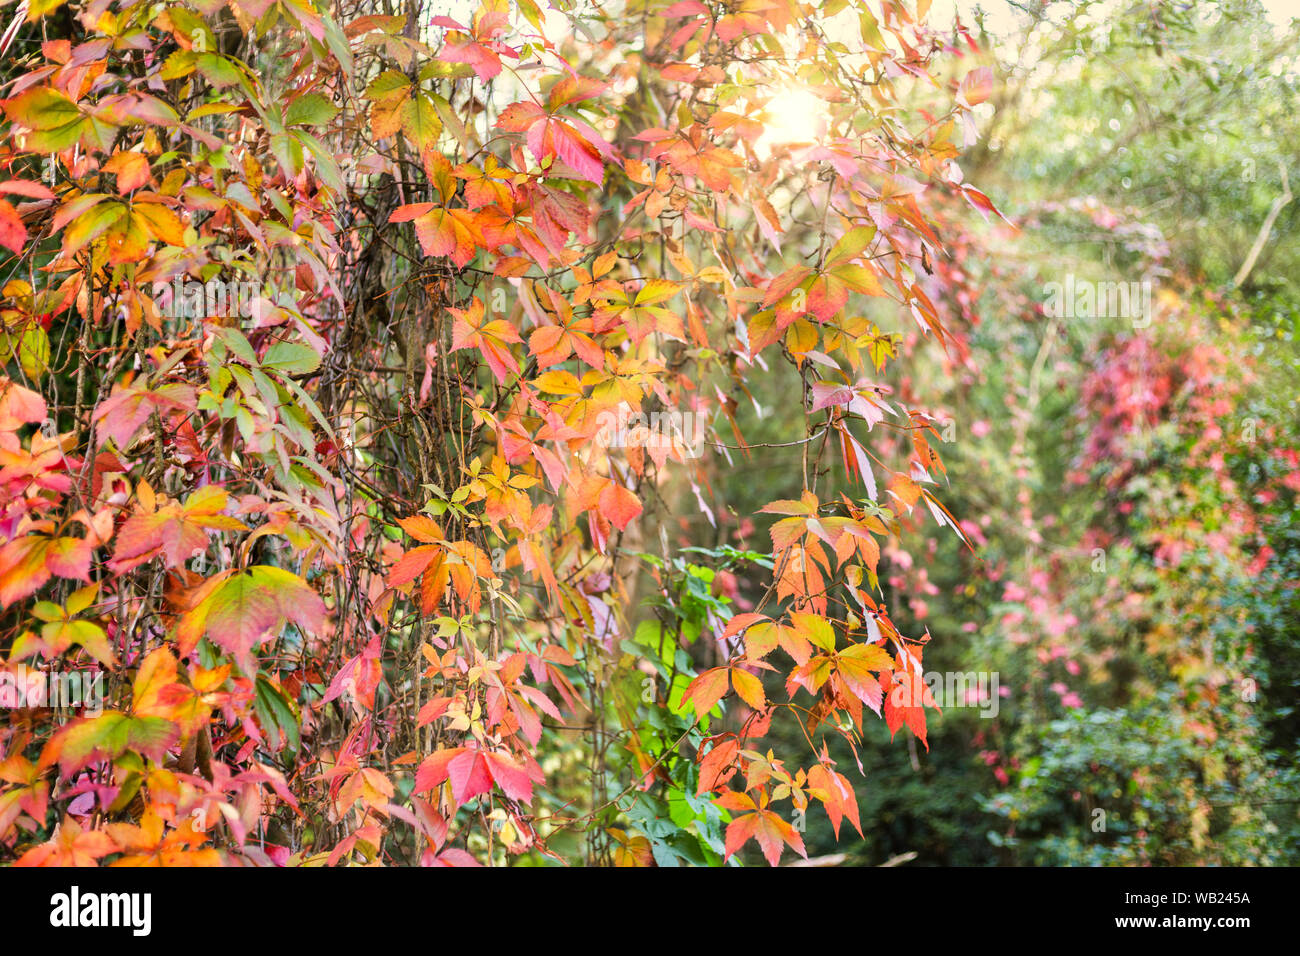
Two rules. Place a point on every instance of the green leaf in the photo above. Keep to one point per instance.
(310, 109)
(291, 358)
(453, 123)
(218, 70)
(112, 734)
(850, 245)
(277, 713)
(42, 108)
(387, 83)
(252, 607)
(420, 122)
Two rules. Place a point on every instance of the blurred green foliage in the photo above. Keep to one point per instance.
(1136, 585)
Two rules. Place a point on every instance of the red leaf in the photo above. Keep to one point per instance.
(469, 775)
(13, 234)
(707, 689)
(412, 564)
(515, 782)
(619, 505)
(976, 87)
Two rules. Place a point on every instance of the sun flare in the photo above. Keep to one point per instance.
(794, 116)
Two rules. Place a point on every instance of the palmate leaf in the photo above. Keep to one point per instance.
(55, 121)
(474, 771)
(151, 844)
(758, 823)
(642, 312)
(571, 142)
(126, 410)
(175, 531)
(26, 564)
(241, 610)
(107, 737)
(70, 846)
(452, 233)
(492, 337)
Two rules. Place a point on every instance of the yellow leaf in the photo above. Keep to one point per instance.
(161, 223)
(749, 687)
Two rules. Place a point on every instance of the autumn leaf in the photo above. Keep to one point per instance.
(244, 609)
(426, 561)
(158, 221)
(814, 628)
(707, 689)
(70, 846)
(174, 531)
(152, 844)
(619, 505)
(836, 794)
(107, 737)
(446, 232)
(906, 695)
(131, 170)
(718, 764)
(159, 691)
(748, 688)
(479, 48)
(55, 121)
(858, 665)
(63, 628)
(570, 141)
(472, 329)
(399, 106)
(761, 824)
(27, 563)
(631, 851)
(553, 344)
(641, 312)
(125, 411)
(13, 233)
(489, 185)
(28, 794)
(474, 771)
(976, 87)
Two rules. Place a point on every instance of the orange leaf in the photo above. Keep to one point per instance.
(619, 505)
(707, 689)
(131, 170)
(749, 688)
